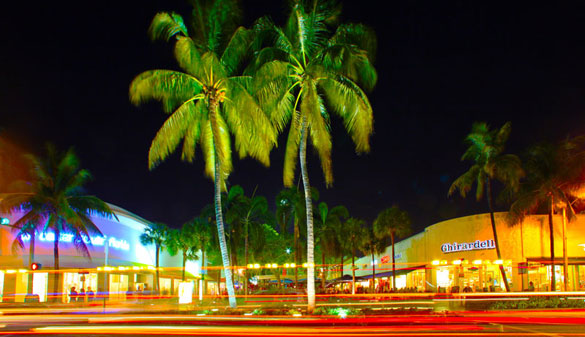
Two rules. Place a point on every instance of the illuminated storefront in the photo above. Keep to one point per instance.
(118, 266)
(459, 255)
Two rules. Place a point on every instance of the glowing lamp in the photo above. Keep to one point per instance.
(35, 266)
(250, 266)
(267, 265)
(456, 262)
(274, 265)
(292, 265)
(256, 266)
(435, 262)
(498, 262)
(477, 261)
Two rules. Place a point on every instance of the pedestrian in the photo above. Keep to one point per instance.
(81, 295)
(72, 295)
(90, 295)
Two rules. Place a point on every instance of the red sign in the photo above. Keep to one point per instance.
(385, 259)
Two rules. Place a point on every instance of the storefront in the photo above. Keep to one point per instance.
(118, 265)
(459, 255)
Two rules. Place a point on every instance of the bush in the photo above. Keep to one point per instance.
(538, 303)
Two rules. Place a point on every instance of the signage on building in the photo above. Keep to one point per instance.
(465, 246)
(95, 240)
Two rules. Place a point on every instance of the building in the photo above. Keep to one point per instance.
(460, 254)
(119, 265)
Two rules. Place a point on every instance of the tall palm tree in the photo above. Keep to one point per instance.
(486, 149)
(155, 234)
(392, 223)
(303, 65)
(353, 230)
(185, 241)
(373, 246)
(56, 202)
(553, 182)
(209, 100)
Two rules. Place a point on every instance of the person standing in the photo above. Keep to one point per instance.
(72, 295)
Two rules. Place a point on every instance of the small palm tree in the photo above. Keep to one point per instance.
(372, 245)
(155, 234)
(392, 223)
(29, 231)
(553, 182)
(304, 65)
(353, 230)
(329, 224)
(208, 101)
(56, 202)
(204, 235)
(185, 241)
(486, 149)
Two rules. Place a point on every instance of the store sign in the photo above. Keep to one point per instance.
(95, 240)
(4, 221)
(460, 247)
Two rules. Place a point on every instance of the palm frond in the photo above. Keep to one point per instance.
(237, 49)
(172, 88)
(193, 132)
(254, 134)
(350, 102)
(464, 183)
(188, 56)
(292, 150)
(164, 26)
(171, 133)
(318, 120)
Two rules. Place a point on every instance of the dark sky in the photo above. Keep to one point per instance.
(65, 68)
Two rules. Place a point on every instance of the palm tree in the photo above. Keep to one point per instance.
(204, 235)
(291, 207)
(329, 223)
(57, 203)
(304, 64)
(372, 245)
(553, 182)
(392, 223)
(185, 241)
(486, 149)
(251, 214)
(353, 230)
(208, 101)
(27, 231)
(156, 234)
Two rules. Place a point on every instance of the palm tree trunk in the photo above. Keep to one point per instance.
(297, 251)
(324, 270)
(373, 284)
(341, 265)
(204, 283)
(31, 259)
(309, 206)
(393, 263)
(496, 241)
(565, 257)
(353, 272)
(213, 106)
(246, 259)
(184, 262)
(553, 278)
(157, 281)
(57, 275)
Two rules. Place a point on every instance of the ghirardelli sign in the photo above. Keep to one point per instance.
(459, 247)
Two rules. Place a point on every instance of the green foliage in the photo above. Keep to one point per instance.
(538, 303)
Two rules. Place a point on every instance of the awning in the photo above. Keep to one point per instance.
(402, 271)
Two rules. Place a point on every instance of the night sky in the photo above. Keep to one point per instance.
(65, 68)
